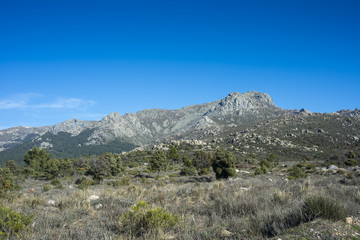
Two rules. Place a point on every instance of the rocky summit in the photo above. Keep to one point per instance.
(118, 133)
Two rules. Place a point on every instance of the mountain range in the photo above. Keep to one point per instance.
(118, 133)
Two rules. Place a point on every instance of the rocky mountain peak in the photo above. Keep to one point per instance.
(241, 103)
(73, 126)
(248, 97)
(349, 113)
(111, 118)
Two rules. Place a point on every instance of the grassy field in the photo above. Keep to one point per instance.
(324, 205)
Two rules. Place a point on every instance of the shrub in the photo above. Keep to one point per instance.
(46, 187)
(81, 164)
(272, 223)
(158, 162)
(188, 171)
(116, 183)
(99, 169)
(123, 182)
(351, 162)
(6, 181)
(55, 182)
(66, 167)
(265, 163)
(173, 154)
(224, 164)
(35, 158)
(142, 220)
(84, 182)
(50, 168)
(115, 162)
(307, 166)
(204, 171)
(319, 206)
(272, 158)
(12, 166)
(28, 171)
(40, 165)
(350, 154)
(296, 172)
(281, 196)
(202, 162)
(249, 160)
(104, 166)
(261, 170)
(12, 224)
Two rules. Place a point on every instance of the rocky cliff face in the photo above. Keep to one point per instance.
(148, 126)
(349, 113)
(236, 103)
(14, 136)
(73, 126)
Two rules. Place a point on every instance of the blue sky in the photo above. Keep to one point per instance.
(64, 59)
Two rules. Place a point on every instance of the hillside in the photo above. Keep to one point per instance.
(237, 168)
(134, 129)
(248, 122)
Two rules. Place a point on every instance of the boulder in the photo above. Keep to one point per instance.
(92, 198)
(50, 203)
(332, 167)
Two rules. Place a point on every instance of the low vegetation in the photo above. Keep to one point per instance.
(142, 221)
(178, 192)
(13, 224)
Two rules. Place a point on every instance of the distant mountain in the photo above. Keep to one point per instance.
(117, 133)
(349, 113)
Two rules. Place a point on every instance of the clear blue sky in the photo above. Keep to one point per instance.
(63, 59)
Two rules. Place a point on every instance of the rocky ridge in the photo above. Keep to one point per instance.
(249, 122)
(148, 126)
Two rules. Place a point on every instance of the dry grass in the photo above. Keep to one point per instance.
(243, 208)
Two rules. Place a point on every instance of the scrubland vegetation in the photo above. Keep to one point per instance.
(179, 192)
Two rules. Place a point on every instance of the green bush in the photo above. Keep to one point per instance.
(261, 170)
(204, 171)
(35, 158)
(158, 162)
(101, 167)
(272, 157)
(6, 181)
(84, 183)
(319, 206)
(46, 187)
(125, 181)
(115, 162)
(39, 164)
(50, 169)
(224, 164)
(66, 167)
(173, 154)
(296, 172)
(188, 171)
(351, 162)
(81, 165)
(142, 220)
(250, 160)
(55, 182)
(265, 163)
(202, 162)
(350, 154)
(12, 166)
(13, 224)
(116, 183)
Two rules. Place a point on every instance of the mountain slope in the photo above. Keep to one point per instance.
(118, 133)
